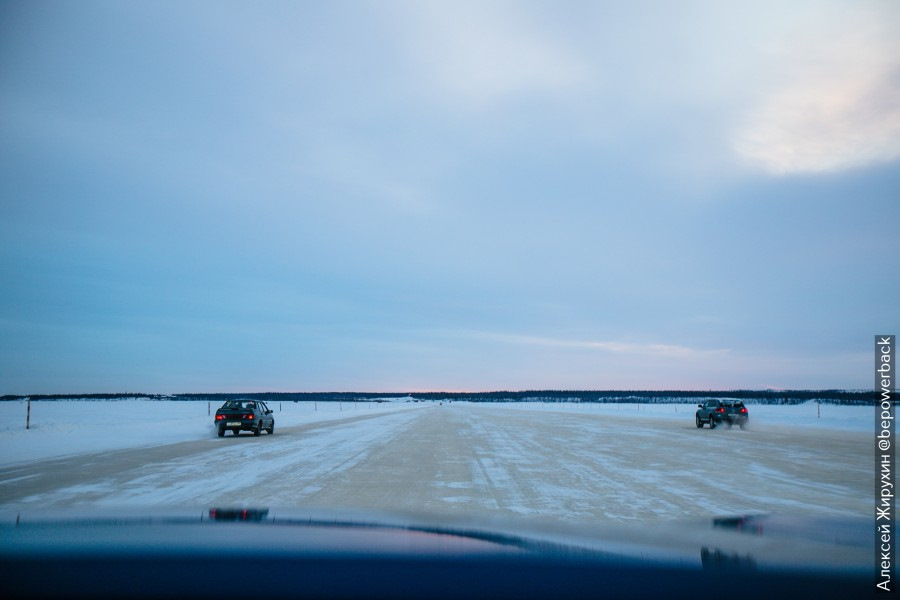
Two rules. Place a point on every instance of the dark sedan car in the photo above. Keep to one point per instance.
(715, 412)
(244, 415)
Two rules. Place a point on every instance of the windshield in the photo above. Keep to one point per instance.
(490, 260)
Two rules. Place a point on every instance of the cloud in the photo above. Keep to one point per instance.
(837, 103)
(612, 347)
(479, 53)
(394, 181)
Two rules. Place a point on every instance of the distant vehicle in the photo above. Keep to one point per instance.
(244, 415)
(715, 412)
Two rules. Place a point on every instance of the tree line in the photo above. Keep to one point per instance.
(848, 397)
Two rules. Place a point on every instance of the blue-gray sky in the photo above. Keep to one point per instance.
(389, 196)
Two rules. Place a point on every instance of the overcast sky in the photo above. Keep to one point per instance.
(392, 196)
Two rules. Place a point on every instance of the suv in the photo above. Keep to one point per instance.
(714, 412)
(244, 415)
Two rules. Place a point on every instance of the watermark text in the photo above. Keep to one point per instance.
(885, 383)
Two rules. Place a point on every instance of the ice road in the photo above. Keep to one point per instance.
(565, 464)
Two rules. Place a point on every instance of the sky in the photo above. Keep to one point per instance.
(460, 196)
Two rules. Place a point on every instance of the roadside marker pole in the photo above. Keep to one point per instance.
(28, 416)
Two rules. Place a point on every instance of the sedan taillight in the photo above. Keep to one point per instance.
(250, 416)
(720, 410)
(220, 417)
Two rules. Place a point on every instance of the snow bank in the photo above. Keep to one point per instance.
(809, 414)
(67, 427)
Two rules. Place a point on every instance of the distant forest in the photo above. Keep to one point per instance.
(849, 397)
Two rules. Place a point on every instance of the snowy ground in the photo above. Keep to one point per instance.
(807, 415)
(68, 427)
(569, 462)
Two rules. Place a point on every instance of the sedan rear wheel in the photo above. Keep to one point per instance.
(699, 422)
(712, 422)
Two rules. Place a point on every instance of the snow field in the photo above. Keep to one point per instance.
(68, 427)
(570, 462)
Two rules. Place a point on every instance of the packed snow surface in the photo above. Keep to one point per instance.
(67, 427)
(564, 461)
